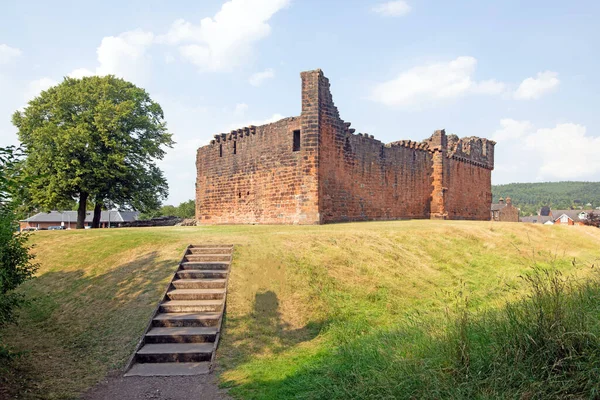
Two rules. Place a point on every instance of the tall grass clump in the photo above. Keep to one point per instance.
(546, 345)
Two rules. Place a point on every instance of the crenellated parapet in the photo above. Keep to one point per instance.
(351, 131)
(473, 150)
(409, 144)
(234, 134)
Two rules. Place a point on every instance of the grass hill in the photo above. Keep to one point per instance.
(530, 197)
(360, 310)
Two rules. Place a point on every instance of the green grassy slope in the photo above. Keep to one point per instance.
(313, 312)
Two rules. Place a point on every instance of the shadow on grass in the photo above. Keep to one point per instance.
(262, 331)
(545, 346)
(81, 324)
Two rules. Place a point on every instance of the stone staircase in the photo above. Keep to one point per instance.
(183, 333)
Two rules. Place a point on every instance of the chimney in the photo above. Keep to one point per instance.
(501, 200)
(508, 201)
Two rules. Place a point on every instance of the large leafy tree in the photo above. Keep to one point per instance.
(96, 140)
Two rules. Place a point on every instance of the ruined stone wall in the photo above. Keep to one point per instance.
(360, 178)
(254, 175)
(469, 193)
(468, 170)
(262, 181)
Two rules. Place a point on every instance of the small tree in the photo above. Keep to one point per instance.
(94, 139)
(15, 261)
(187, 209)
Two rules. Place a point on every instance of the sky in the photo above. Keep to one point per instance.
(523, 73)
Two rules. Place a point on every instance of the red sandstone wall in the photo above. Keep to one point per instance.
(360, 178)
(336, 175)
(468, 194)
(264, 182)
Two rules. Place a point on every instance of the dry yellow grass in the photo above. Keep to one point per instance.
(289, 287)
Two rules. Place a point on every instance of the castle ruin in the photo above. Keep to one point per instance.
(314, 169)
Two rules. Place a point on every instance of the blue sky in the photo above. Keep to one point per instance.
(524, 73)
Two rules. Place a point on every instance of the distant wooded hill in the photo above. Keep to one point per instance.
(529, 197)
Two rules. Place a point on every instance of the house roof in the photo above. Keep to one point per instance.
(537, 219)
(65, 216)
(572, 214)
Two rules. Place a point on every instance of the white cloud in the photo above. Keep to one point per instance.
(34, 88)
(512, 129)
(433, 83)
(124, 56)
(534, 88)
(226, 40)
(397, 8)
(258, 78)
(568, 153)
(562, 152)
(8, 54)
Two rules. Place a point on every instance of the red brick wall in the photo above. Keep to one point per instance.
(338, 175)
(363, 179)
(469, 193)
(264, 181)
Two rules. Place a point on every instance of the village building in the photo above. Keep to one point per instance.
(314, 169)
(570, 217)
(504, 211)
(548, 216)
(68, 219)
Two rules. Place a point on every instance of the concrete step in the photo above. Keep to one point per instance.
(181, 306)
(201, 274)
(181, 335)
(169, 369)
(208, 283)
(211, 246)
(208, 257)
(216, 265)
(211, 250)
(196, 294)
(174, 352)
(186, 319)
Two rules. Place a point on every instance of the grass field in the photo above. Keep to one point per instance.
(337, 311)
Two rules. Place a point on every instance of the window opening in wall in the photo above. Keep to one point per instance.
(220, 150)
(296, 146)
(234, 147)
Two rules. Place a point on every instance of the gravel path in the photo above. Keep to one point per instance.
(116, 387)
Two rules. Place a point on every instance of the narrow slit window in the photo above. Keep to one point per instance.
(234, 147)
(220, 150)
(296, 145)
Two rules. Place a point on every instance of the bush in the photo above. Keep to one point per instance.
(15, 261)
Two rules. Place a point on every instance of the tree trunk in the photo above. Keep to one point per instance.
(81, 211)
(97, 214)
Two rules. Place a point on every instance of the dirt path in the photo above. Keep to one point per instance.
(117, 387)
